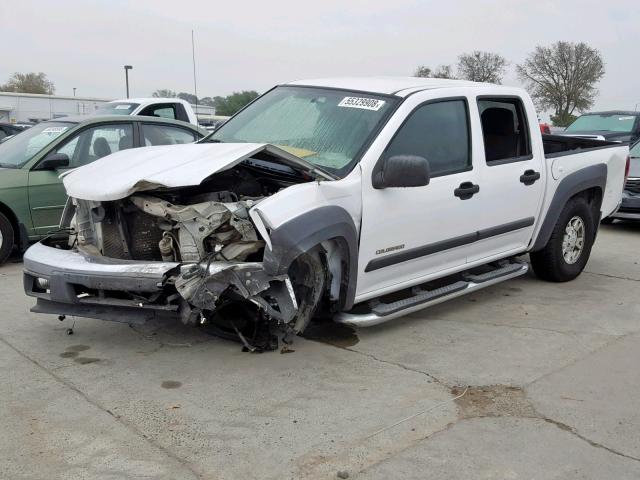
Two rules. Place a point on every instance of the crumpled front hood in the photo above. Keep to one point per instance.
(123, 173)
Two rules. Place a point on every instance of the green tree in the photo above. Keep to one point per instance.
(480, 66)
(164, 93)
(232, 103)
(207, 101)
(189, 97)
(443, 71)
(29, 83)
(563, 78)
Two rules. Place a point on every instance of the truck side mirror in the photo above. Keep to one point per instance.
(54, 161)
(402, 171)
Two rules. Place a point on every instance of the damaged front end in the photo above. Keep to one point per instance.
(205, 237)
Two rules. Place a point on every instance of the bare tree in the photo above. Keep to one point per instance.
(164, 93)
(443, 71)
(480, 66)
(562, 77)
(29, 83)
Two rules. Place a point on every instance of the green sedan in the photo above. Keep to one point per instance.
(32, 195)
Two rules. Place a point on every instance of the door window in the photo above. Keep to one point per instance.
(504, 129)
(438, 132)
(167, 135)
(164, 110)
(97, 142)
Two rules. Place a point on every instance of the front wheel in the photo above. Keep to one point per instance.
(6, 238)
(566, 253)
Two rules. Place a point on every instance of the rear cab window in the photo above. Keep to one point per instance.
(505, 130)
(163, 110)
(438, 131)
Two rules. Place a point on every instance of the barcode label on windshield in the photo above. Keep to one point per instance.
(359, 102)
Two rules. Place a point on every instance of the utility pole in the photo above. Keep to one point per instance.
(126, 77)
(74, 91)
(195, 85)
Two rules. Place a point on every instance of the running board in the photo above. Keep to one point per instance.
(383, 312)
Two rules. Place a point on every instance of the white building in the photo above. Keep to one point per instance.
(31, 107)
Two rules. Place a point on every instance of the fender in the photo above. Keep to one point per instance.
(304, 232)
(576, 182)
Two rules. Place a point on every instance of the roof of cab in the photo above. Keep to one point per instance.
(399, 86)
(142, 100)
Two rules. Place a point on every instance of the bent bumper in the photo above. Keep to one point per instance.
(73, 283)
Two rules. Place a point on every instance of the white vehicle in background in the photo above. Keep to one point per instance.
(173, 108)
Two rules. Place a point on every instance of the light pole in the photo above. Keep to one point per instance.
(126, 76)
(74, 91)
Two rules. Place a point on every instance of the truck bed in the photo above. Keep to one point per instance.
(558, 145)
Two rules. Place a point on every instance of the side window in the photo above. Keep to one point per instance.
(504, 129)
(438, 132)
(97, 142)
(165, 110)
(166, 135)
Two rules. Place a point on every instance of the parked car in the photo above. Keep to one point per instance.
(363, 198)
(172, 108)
(31, 194)
(8, 130)
(630, 205)
(617, 126)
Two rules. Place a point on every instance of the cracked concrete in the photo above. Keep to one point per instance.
(552, 369)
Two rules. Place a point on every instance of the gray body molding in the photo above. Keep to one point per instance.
(304, 232)
(589, 177)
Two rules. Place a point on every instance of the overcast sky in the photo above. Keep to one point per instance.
(254, 45)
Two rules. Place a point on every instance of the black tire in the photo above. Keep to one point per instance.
(308, 278)
(550, 263)
(7, 240)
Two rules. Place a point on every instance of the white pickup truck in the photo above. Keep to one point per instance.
(362, 198)
(173, 108)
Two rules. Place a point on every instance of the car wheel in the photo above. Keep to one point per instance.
(308, 277)
(7, 236)
(566, 253)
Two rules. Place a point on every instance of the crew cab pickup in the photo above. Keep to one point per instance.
(363, 198)
(173, 108)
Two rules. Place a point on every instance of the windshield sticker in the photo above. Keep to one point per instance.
(54, 130)
(626, 118)
(363, 103)
(123, 107)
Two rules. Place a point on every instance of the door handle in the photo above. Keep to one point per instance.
(529, 177)
(466, 190)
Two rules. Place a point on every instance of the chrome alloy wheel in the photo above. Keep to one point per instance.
(573, 240)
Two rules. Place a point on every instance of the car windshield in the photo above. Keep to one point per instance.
(326, 127)
(603, 122)
(117, 108)
(22, 147)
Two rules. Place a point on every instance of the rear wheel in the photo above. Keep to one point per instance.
(7, 236)
(566, 253)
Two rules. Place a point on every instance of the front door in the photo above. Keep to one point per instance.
(411, 233)
(47, 196)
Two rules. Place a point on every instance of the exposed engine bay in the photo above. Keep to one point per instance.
(207, 232)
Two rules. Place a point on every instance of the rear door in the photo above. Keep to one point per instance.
(47, 196)
(511, 176)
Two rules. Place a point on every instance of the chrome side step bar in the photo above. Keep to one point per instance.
(383, 312)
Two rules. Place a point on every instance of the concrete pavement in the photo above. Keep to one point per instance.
(552, 369)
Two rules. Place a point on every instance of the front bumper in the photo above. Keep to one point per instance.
(87, 286)
(629, 208)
